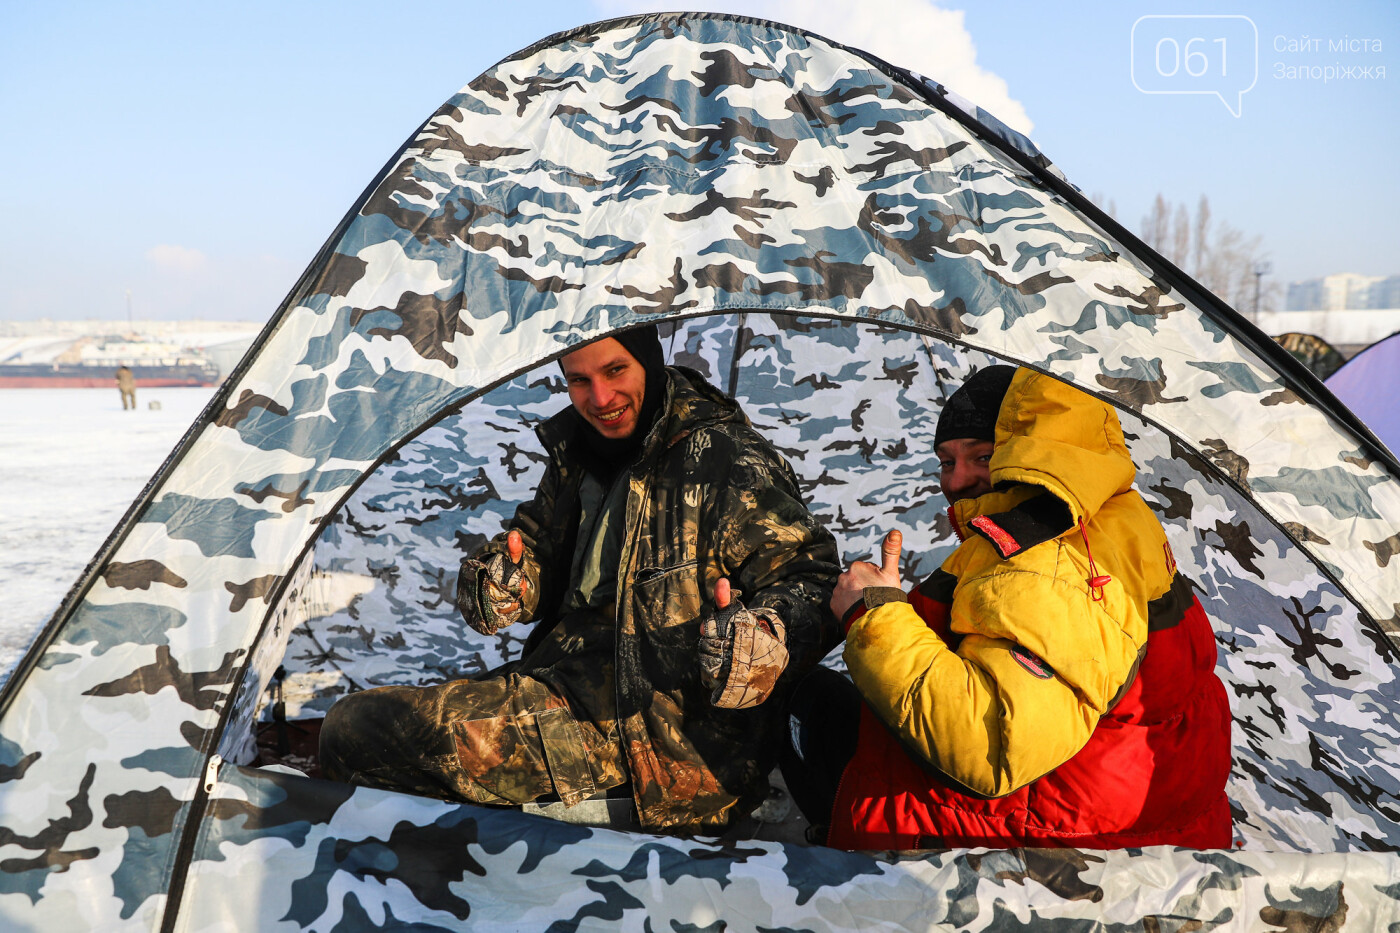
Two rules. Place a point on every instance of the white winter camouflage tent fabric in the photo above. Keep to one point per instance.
(838, 243)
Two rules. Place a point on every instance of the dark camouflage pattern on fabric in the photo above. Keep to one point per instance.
(1301, 779)
(837, 245)
(743, 653)
(1319, 356)
(490, 594)
(507, 739)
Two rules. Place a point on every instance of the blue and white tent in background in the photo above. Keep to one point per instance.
(836, 241)
(1369, 384)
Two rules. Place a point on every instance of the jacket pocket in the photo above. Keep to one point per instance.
(566, 754)
(522, 757)
(666, 604)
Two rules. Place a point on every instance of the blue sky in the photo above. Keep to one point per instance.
(198, 154)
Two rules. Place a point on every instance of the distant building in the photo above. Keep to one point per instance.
(1385, 293)
(1304, 296)
(1345, 291)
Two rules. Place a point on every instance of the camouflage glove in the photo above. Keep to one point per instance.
(492, 592)
(742, 653)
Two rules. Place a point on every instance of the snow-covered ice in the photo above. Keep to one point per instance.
(71, 463)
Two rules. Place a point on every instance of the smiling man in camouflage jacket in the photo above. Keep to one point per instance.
(679, 586)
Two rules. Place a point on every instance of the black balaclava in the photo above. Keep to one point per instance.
(606, 456)
(971, 411)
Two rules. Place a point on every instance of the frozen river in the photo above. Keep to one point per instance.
(71, 462)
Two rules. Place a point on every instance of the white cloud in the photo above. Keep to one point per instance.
(182, 258)
(179, 282)
(913, 34)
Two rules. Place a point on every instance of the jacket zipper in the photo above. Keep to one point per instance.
(629, 548)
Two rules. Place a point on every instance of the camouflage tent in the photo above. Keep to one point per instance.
(1369, 384)
(1320, 357)
(838, 242)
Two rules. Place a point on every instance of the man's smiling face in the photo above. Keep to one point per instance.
(606, 385)
(964, 468)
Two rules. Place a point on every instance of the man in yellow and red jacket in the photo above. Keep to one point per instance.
(1053, 683)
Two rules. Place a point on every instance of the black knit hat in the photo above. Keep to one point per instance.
(644, 343)
(971, 411)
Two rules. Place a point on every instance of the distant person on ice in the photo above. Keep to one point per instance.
(634, 684)
(126, 384)
(1052, 684)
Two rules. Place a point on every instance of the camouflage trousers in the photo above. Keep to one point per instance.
(537, 729)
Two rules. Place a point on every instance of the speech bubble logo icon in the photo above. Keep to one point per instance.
(1186, 54)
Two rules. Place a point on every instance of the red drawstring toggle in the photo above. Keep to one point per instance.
(1097, 581)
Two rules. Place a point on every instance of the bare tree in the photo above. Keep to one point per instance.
(1181, 236)
(1109, 206)
(1202, 234)
(1218, 256)
(1156, 224)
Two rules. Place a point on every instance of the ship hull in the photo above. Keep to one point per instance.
(74, 377)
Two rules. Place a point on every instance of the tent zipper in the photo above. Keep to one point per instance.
(190, 832)
(211, 774)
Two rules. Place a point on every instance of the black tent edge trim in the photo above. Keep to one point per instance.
(1234, 323)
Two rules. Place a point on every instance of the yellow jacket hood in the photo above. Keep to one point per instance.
(1058, 438)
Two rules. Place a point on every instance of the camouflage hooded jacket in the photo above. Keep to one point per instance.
(708, 498)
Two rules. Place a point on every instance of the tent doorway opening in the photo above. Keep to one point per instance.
(853, 407)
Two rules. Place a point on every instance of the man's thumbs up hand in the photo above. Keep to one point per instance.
(742, 651)
(492, 593)
(850, 589)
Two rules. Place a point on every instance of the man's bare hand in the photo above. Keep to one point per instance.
(722, 592)
(861, 574)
